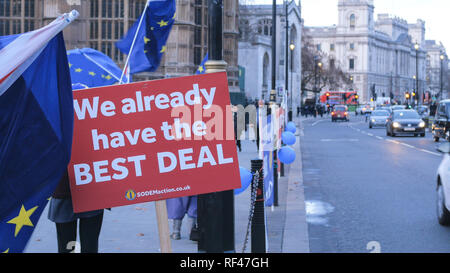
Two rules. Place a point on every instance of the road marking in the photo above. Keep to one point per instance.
(340, 140)
(393, 141)
(317, 122)
(369, 134)
(407, 145)
(380, 138)
(428, 152)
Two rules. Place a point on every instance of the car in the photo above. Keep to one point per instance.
(402, 122)
(424, 113)
(378, 118)
(340, 112)
(398, 107)
(443, 186)
(366, 109)
(441, 125)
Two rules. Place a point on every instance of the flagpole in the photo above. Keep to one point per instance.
(99, 65)
(134, 40)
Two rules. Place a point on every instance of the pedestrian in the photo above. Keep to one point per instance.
(61, 213)
(177, 208)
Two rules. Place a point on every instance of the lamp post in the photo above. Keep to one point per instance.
(442, 57)
(292, 48)
(320, 70)
(316, 65)
(287, 60)
(416, 47)
(216, 210)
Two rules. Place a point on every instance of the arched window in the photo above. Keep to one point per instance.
(352, 21)
(265, 27)
(265, 70)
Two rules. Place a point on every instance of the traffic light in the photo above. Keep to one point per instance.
(328, 95)
(407, 96)
(413, 94)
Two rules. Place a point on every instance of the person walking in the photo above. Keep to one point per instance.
(177, 208)
(61, 213)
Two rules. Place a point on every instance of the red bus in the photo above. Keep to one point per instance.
(339, 98)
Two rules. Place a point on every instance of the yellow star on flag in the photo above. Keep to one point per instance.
(108, 77)
(146, 40)
(163, 49)
(174, 15)
(92, 73)
(78, 70)
(6, 251)
(70, 65)
(200, 69)
(23, 219)
(162, 23)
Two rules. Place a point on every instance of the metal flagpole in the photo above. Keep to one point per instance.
(134, 40)
(99, 65)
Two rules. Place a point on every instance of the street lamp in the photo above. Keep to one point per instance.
(292, 48)
(317, 64)
(416, 47)
(442, 57)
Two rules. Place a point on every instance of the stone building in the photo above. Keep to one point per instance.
(255, 49)
(103, 22)
(437, 69)
(379, 54)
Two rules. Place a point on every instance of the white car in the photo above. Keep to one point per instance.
(443, 186)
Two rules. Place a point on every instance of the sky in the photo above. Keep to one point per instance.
(435, 13)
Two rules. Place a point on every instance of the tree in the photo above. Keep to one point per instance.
(329, 74)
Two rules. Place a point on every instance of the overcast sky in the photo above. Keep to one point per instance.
(435, 13)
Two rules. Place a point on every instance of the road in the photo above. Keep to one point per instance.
(368, 192)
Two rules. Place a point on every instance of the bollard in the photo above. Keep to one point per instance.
(258, 237)
(275, 178)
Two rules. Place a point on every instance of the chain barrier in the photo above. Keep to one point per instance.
(252, 206)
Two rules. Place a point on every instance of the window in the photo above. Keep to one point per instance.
(332, 63)
(94, 8)
(352, 46)
(331, 47)
(265, 27)
(352, 21)
(351, 64)
(319, 47)
(106, 9)
(29, 8)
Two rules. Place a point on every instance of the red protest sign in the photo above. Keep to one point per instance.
(151, 141)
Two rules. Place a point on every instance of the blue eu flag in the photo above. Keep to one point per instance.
(148, 36)
(36, 128)
(201, 69)
(92, 68)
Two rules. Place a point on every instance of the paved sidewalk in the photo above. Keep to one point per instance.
(133, 229)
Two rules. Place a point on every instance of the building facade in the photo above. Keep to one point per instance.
(437, 69)
(255, 50)
(101, 23)
(380, 54)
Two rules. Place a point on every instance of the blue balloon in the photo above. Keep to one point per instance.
(246, 179)
(286, 155)
(288, 138)
(290, 127)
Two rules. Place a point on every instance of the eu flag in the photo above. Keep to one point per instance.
(36, 128)
(92, 68)
(202, 69)
(148, 36)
